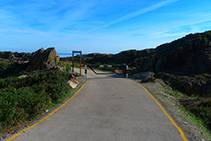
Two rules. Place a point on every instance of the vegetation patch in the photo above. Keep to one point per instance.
(8, 69)
(27, 98)
(200, 107)
(68, 68)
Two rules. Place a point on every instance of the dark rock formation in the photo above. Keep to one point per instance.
(19, 58)
(14, 63)
(182, 59)
(190, 85)
(131, 57)
(188, 55)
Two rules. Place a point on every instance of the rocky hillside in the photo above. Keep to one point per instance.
(188, 55)
(184, 63)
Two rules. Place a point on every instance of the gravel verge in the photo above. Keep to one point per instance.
(170, 100)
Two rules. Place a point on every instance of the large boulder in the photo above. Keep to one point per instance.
(44, 59)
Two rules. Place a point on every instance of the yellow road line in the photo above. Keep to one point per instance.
(47, 115)
(172, 121)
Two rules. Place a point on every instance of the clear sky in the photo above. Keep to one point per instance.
(105, 26)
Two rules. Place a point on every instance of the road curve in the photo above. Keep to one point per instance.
(108, 108)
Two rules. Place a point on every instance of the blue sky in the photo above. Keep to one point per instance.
(106, 26)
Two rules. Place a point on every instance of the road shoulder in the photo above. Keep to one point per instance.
(166, 96)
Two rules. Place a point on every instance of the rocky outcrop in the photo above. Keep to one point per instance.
(14, 63)
(44, 59)
(61, 67)
(131, 57)
(188, 55)
(190, 85)
(182, 59)
(20, 58)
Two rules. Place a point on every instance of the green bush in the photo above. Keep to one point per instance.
(8, 69)
(23, 99)
(5, 64)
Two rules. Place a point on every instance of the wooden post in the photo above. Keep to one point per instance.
(80, 66)
(72, 61)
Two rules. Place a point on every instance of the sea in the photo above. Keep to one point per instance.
(63, 55)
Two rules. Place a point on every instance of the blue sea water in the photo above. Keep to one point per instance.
(62, 55)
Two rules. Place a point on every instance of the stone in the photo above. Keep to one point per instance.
(61, 68)
(19, 58)
(73, 79)
(145, 76)
(22, 76)
(148, 79)
(72, 84)
(44, 59)
(118, 71)
(57, 59)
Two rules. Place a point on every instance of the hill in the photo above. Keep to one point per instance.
(185, 63)
(188, 55)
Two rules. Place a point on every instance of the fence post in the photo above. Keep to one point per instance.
(126, 71)
(85, 71)
(72, 61)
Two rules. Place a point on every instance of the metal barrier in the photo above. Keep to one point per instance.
(125, 69)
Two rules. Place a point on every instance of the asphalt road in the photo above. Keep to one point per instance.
(108, 108)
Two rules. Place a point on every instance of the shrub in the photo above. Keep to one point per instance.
(23, 99)
(200, 107)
